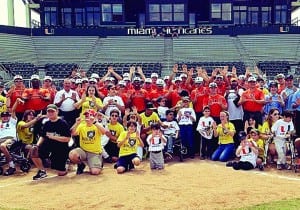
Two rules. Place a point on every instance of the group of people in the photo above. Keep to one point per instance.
(122, 119)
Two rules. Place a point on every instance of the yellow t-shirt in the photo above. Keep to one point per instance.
(261, 147)
(116, 129)
(147, 121)
(265, 128)
(2, 104)
(90, 138)
(25, 134)
(89, 104)
(130, 146)
(225, 138)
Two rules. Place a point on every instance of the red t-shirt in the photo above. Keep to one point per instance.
(34, 98)
(251, 105)
(214, 102)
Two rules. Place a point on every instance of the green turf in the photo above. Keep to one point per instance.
(293, 204)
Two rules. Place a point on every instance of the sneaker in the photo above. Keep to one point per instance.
(202, 158)
(9, 171)
(229, 164)
(287, 166)
(279, 167)
(260, 167)
(40, 175)
(80, 168)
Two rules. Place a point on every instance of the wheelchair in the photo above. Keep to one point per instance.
(290, 151)
(178, 149)
(17, 152)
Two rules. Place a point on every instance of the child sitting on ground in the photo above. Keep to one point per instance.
(247, 151)
(156, 142)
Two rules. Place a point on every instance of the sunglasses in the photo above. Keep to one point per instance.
(276, 114)
(114, 115)
(92, 83)
(18, 80)
(47, 80)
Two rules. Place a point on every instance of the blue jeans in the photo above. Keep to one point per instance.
(223, 153)
(187, 138)
(169, 146)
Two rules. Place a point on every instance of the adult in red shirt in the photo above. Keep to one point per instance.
(15, 92)
(215, 102)
(47, 84)
(221, 85)
(198, 95)
(139, 96)
(36, 98)
(253, 100)
(158, 92)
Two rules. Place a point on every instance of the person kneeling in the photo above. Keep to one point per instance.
(90, 149)
(128, 143)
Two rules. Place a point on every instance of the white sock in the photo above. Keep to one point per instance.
(11, 164)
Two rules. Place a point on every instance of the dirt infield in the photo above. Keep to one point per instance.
(191, 185)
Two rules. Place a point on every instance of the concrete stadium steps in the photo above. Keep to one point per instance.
(267, 47)
(129, 49)
(17, 48)
(205, 48)
(63, 49)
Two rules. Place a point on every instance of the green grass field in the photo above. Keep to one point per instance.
(293, 204)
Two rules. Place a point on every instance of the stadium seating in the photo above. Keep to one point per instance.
(272, 68)
(59, 70)
(24, 69)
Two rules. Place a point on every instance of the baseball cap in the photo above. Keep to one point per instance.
(95, 75)
(273, 84)
(126, 75)
(5, 114)
(254, 131)
(219, 76)
(150, 105)
(159, 82)
(289, 77)
(90, 112)
(242, 77)
(252, 79)
(18, 77)
(280, 76)
(166, 77)
(177, 79)
(122, 82)
(148, 80)
(198, 80)
(154, 75)
(242, 135)
(126, 79)
(137, 79)
(93, 80)
(34, 76)
(52, 107)
(183, 75)
(85, 79)
(212, 84)
(47, 78)
(229, 74)
(78, 81)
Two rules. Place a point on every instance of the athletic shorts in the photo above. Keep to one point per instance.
(126, 161)
(93, 160)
